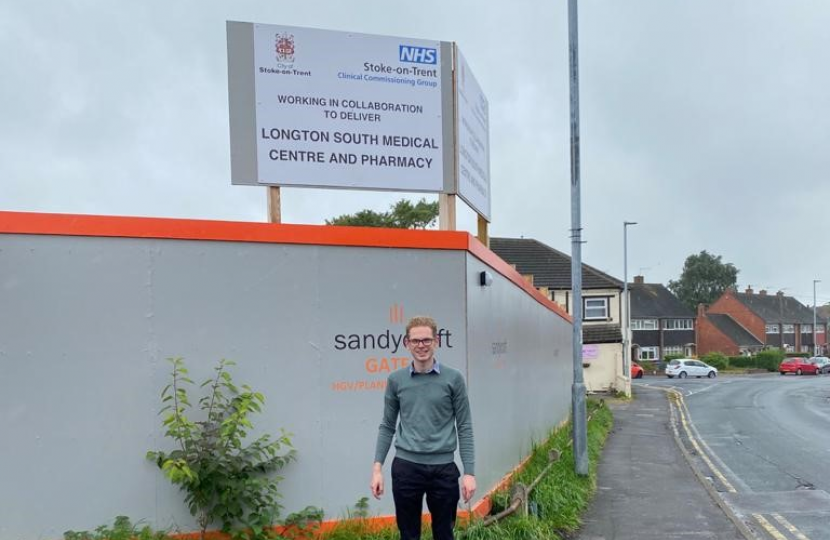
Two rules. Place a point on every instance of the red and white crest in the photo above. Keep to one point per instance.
(284, 47)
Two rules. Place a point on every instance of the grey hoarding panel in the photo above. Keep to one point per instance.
(87, 323)
(520, 371)
(371, 293)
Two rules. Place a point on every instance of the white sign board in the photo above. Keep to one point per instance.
(338, 109)
(473, 139)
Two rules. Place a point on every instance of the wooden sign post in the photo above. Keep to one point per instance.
(446, 212)
(274, 210)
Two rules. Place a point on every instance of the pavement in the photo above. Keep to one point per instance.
(646, 487)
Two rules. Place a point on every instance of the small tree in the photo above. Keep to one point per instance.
(401, 215)
(223, 479)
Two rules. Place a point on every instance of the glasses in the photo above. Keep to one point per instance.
(418, 342)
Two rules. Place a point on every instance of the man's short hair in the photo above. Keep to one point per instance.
(422, 321)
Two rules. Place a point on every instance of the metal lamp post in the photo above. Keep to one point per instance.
(579, 413)
(815, 341)
(627, 318)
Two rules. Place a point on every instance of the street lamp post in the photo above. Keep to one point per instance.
(815, 341)
(578, 405)
(627, 318)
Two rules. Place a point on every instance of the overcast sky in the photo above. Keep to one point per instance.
(707, 122)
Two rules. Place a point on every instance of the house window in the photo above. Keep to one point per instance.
(678, 324)
(806, 328)
(789, 329)
(596, 308)
(648, 353)
(674, 349)
(772, 329)
(644, 324)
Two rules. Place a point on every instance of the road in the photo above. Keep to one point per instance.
(764, 443)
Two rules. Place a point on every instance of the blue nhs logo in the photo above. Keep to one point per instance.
(418, 55)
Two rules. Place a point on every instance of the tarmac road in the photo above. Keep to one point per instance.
(764, 441)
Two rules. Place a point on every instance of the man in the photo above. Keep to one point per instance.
(431, 400)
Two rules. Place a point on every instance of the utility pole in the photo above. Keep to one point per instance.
(627, 320)
(579, 413)
(815, 342)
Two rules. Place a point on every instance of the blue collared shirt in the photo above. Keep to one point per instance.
(436, 368)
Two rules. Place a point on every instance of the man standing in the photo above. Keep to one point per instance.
(431, 400)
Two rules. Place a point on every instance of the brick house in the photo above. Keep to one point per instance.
(742, 323)
(660, 323)
(549, 270)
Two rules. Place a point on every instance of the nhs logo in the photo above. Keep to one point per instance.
(417, 55)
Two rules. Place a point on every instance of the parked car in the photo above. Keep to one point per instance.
(798, 365)
(636, 371)
(822, 362)
(688, 367)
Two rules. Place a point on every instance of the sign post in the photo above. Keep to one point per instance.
(327, 109)
(317, 108)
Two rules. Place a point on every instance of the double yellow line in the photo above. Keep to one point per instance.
(766, 525)
(684, 412)
(775, 533)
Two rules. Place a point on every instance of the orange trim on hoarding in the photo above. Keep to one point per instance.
(234, 231)
(277, 233)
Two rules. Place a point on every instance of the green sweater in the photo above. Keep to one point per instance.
(430, 406)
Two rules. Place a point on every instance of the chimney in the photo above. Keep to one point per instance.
(749, 291)
(762, 292)
(701, 310)
(780, 294)
(639, 280)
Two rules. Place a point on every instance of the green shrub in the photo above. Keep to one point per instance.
(716, 360)
(669, 357)
(223, 478)
(746, 362)
(798, 355)
(769, 359)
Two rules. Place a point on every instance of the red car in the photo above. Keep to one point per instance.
(636, 371)
(799, 366)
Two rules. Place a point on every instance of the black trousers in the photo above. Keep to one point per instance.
(410, 482)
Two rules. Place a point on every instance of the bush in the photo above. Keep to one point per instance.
(769, 359)
(223, 478)
(669, 357)
(716, 360)
(798, 355)
(748, 362)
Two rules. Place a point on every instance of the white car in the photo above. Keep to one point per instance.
(822, 362)
(688, 367)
